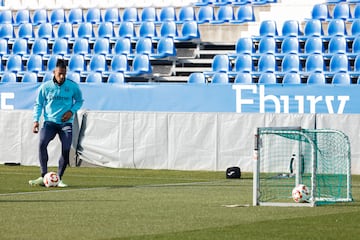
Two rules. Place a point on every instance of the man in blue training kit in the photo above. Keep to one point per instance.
(58, 99)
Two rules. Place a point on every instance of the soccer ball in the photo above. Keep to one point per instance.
(51, 179)
(301, 193)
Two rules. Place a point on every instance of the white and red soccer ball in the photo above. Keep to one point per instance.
(301, 193)
(51, 179)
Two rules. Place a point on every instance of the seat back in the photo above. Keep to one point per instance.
(220, 77)
(116, 77)
(290, 45)
(35, 63)
(221, 63)
(130, 14)
(149, 14)
(314, 45)
(197, 77)
(315, 63)
(243, 77)
(291, 78)
(119, 63)
(76, 16)
(93, 15)
(316, 78)
(267, 63)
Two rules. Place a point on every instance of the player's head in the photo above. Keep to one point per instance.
(60, 71)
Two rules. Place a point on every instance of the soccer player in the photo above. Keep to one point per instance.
(58, 100)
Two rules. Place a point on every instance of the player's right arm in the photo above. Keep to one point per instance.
(38, 108)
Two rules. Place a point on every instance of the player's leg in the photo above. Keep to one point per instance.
(47, 133)
(65, 135)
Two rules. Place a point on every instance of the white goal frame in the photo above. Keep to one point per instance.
(313, 201)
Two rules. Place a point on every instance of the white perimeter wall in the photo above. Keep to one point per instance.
(182, 141)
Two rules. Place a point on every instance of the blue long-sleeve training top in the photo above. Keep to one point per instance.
(54, 100)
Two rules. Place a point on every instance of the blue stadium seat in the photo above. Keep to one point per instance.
(320, 12)
(102, 46)
(206, 14)
(221, 63)
(94, 77)
(127, 29)
(291, 78)
(106, 30)
(35, 64)
(57, 16)
(267, 78)
(39, 16)
(60, 47)
(123, 46)
(40, 47)
(268, 28)
(337, 44)
(147, 29)
(98, 63)
(316, 78)
(86, 30)
(66, 31)
(130, 14)
(20, 47)
(356, 12)
(14, 64)
(245, 13)
(341, 78)
(336, 27)
(167, 14)
(204, 2)
(149, 14)
(189, 31)
(119, 63)
(22, 16)
(290, 28)
(341, 11)
(141, 65)
(314, 63)
(7, 31)
(355, 27)
(29, 77)
(9, 77)
(49, 75)
(267, 45)
(45, 31)
(6, 16)
(81, 46)
(221, 2)
(51, 62)
(356, 46)
(197, 77)
(291, 63)
(168, 29)
(116, 77)
(243, 77)
(313, 28)
(93, 15)
(244, 45)
(339, 63)
(225, 14)
(144, 45)
(165, 48)
(76, 16)
(26, 31)
(290, 45)
(357, 65)
(4, 50)
(313, 45)
(243, 63)
(187, 13)
(77, 63)
(112, 15)
(220, 77)
(267, 63)
(73, 76)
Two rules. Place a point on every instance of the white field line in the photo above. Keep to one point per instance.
(108, 188)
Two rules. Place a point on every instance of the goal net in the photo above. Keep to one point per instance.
(286, 157)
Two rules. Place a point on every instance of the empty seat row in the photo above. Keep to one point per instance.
(180, 32)
(233, 2)
(341, 10)
(114, 15)
(139, 65)
(70, 4)
(271, 78)
(267, 63)
(335, 44)
(164, 47)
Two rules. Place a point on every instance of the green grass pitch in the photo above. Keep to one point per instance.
(111, 204)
